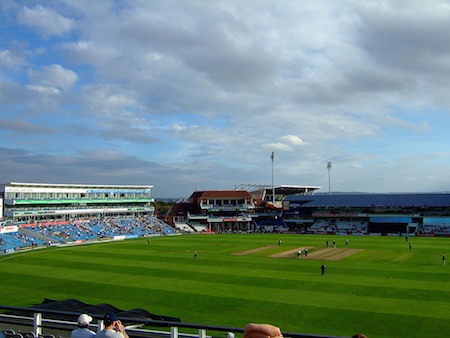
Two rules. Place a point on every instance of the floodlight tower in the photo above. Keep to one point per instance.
(329, 166)
(273, 187)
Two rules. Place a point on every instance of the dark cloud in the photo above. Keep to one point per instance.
(107, 167)
(406, 40)
(23, 126)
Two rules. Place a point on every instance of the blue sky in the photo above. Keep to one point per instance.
(197, 94)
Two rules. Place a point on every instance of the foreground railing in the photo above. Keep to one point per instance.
(40, 323)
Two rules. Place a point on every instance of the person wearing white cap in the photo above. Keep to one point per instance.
(83, 331)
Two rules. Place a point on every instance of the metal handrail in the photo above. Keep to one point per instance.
(37, 320)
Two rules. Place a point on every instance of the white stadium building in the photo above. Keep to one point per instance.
(34, 202)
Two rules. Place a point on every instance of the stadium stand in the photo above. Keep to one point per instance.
(30, 237)
(220, 211)
(360, 214)
(339, 227)
(184, 227)
(199, 227)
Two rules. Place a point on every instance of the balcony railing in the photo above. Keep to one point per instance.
(39, 320)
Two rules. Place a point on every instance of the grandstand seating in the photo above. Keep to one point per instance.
(278, 222)
(183, 227)
(95, 229)
(83, 230)
(16, 240)
(339, 227)
(200, 227)
(433, 229)
(10, 333)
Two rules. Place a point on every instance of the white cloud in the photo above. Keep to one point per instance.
(292, 139)
(178, 128)
(44, 89)
(11, 60)
(47, 21)
(277, 146)
(53, 76)
(285, 143)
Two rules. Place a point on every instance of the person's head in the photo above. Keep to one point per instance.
(84, 320)
(109, 319)
(359, 335)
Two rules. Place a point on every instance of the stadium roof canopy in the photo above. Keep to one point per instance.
(64, 185)
(374, 200)
(280, 189)
(221, 194)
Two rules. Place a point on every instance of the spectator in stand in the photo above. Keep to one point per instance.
(83, 331)
(269, 331)
(113, 327)
(261, 331)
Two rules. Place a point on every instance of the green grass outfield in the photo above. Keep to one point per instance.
(384, 290)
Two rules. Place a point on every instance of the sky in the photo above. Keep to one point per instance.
(196, 94)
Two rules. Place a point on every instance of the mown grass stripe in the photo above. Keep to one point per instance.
(204, 286)
(384, 281)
